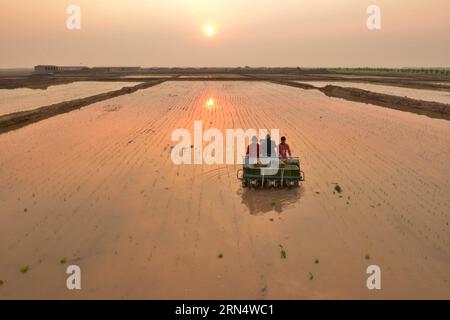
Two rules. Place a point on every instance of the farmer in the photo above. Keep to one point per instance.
(253, 148)
(283, 149)
(268, 147)
(253, 152)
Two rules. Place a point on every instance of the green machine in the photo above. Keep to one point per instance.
(262, 174)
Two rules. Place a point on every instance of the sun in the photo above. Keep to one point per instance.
(209, 31)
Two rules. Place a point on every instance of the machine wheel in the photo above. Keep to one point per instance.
(290, 184)
(254, 183)
(272, 183)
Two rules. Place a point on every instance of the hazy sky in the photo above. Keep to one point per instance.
(248, 32)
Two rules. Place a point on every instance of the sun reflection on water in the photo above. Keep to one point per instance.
(210, 104)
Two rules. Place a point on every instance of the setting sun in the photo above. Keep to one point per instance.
(209, 31)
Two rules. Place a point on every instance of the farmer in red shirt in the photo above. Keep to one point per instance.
(283, 149)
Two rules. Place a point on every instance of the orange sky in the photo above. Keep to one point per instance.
(249, 32)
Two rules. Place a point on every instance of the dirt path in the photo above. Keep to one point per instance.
(97, 186)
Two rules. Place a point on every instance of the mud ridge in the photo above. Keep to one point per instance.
(428, 108)
(20, 119)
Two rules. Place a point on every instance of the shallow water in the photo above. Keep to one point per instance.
(147, 76)
(421, 94)
(14, 100)
(98, 186)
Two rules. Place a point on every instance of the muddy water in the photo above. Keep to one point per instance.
(148, 76)
(14, 100)
(421, 94)
(218, 75)
(97, 186)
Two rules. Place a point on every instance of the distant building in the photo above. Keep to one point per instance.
(116, 69)
(49, 69)
(45, 69)
(72, 69)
